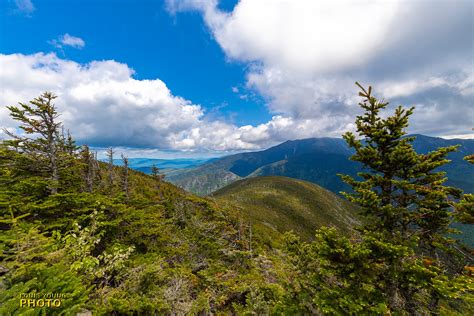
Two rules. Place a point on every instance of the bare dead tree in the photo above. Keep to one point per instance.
(125, 176)
(90, 168)
(110, 158)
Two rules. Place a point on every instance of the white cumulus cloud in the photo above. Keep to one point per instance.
(305, 56)
(104, 105)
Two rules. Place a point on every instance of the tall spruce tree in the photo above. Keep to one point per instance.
(400, 261)
(39, 119)
(402, 193)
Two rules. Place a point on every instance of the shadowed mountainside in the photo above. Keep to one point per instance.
(316, 160)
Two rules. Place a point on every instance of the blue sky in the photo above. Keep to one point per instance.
(176, 49)
(205, 78)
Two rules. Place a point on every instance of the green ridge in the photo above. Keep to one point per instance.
(284, 204)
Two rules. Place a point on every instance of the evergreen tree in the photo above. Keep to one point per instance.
(70, 178)
(402, 193)
(39, 118)
(465, 207)
(403, 196)
(402, 260)
(155, 173)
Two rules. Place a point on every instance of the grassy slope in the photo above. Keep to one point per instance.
(282, 204)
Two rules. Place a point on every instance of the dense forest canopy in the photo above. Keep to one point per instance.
(111, 240)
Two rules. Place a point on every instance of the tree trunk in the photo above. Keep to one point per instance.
(53, 158)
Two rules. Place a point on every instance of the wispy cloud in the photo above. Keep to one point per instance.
(25, 7)
(242, 96)
(68, 40)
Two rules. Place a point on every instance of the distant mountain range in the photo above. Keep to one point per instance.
(316, 160)
(165, 165)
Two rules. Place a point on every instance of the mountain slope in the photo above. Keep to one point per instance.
(282, 204)
(316, 160)
(153, 249)
(202, 180)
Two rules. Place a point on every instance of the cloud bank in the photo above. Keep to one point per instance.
(305, 56)
(104, 105)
